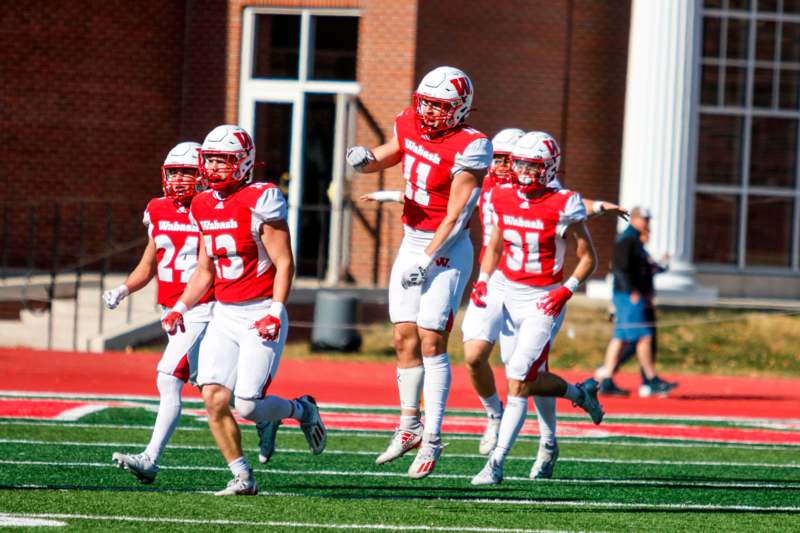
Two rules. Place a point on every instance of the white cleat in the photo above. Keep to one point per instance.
(589, 401)
(266, 440)
(545, 461)
(139, 465)
(241, 485)
(425, 461)
(402, 442)
(312, 425)
(491, 474)
(490, 435)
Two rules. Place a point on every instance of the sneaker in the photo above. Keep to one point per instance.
(491, 474)
(312, 425)
(609, 388)
(489, 439)
(425, 461)
(242, 485)
(545, 461)
(266, 439)
(589, 401)
(656, 387)
(139, 465)
(402, 441)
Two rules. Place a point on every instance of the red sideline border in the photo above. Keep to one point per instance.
(373, 384)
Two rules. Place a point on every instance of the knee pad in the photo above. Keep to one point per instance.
(246, 408)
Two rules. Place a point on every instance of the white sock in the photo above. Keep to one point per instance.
(513, 418)
(410, 423)
(267, 409)
(573, 393)
(409, 384)
(239, 466)
(169, 414)
(546, 413)
(492, 405)
(437, 388)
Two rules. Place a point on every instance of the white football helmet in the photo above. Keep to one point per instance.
(236, 145)
(535, 160)
(502, 145)
(183, 155)
(449, 87)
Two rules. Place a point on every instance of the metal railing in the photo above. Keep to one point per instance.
(52, 258)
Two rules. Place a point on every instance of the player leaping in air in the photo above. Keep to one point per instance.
(531, 225)
(443, 162)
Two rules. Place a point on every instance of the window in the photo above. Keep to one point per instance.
(747, 191)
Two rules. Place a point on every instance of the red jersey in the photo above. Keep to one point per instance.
(429, 167)
(177, 242)
(533, 232)
(230, 228)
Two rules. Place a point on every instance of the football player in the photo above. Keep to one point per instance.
(531, 225)
(481, 324)
(247, 256)
(443, 162)
(170, 256)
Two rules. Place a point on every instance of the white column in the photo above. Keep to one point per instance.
(659, 141)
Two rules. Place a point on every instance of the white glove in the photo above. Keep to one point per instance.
(358, 157)
(415, 274)
(112, 297)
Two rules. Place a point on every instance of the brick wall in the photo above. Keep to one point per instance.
(90, 103)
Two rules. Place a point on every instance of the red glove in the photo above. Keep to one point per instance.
(479, 291)
(554, 301)
(172, 322)
(268, 327)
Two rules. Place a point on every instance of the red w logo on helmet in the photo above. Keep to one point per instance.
(551, 147)
(461, 85)
(244, 140)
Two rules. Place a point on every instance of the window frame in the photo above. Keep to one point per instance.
(745, 190)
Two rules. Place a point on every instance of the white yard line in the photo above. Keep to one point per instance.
(262, 523)
(381, 434)
(598, 460)
(371, 473)
(78, 412)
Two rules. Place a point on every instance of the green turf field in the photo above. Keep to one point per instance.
(61, 471)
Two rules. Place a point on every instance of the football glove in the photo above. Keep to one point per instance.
(552, 303)
(479, 292)
(358, 157)
(415, 274)
(269, 327)
(172, 322)
(113, 297)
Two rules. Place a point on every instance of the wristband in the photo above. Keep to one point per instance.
(180, 307)
(483, 276)
(123, 290)
(386, 196)
(598, 207)
(572, 284)
(275, 309)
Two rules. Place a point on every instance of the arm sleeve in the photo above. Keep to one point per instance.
(574, 212)
(476, 156)
(271, 205)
